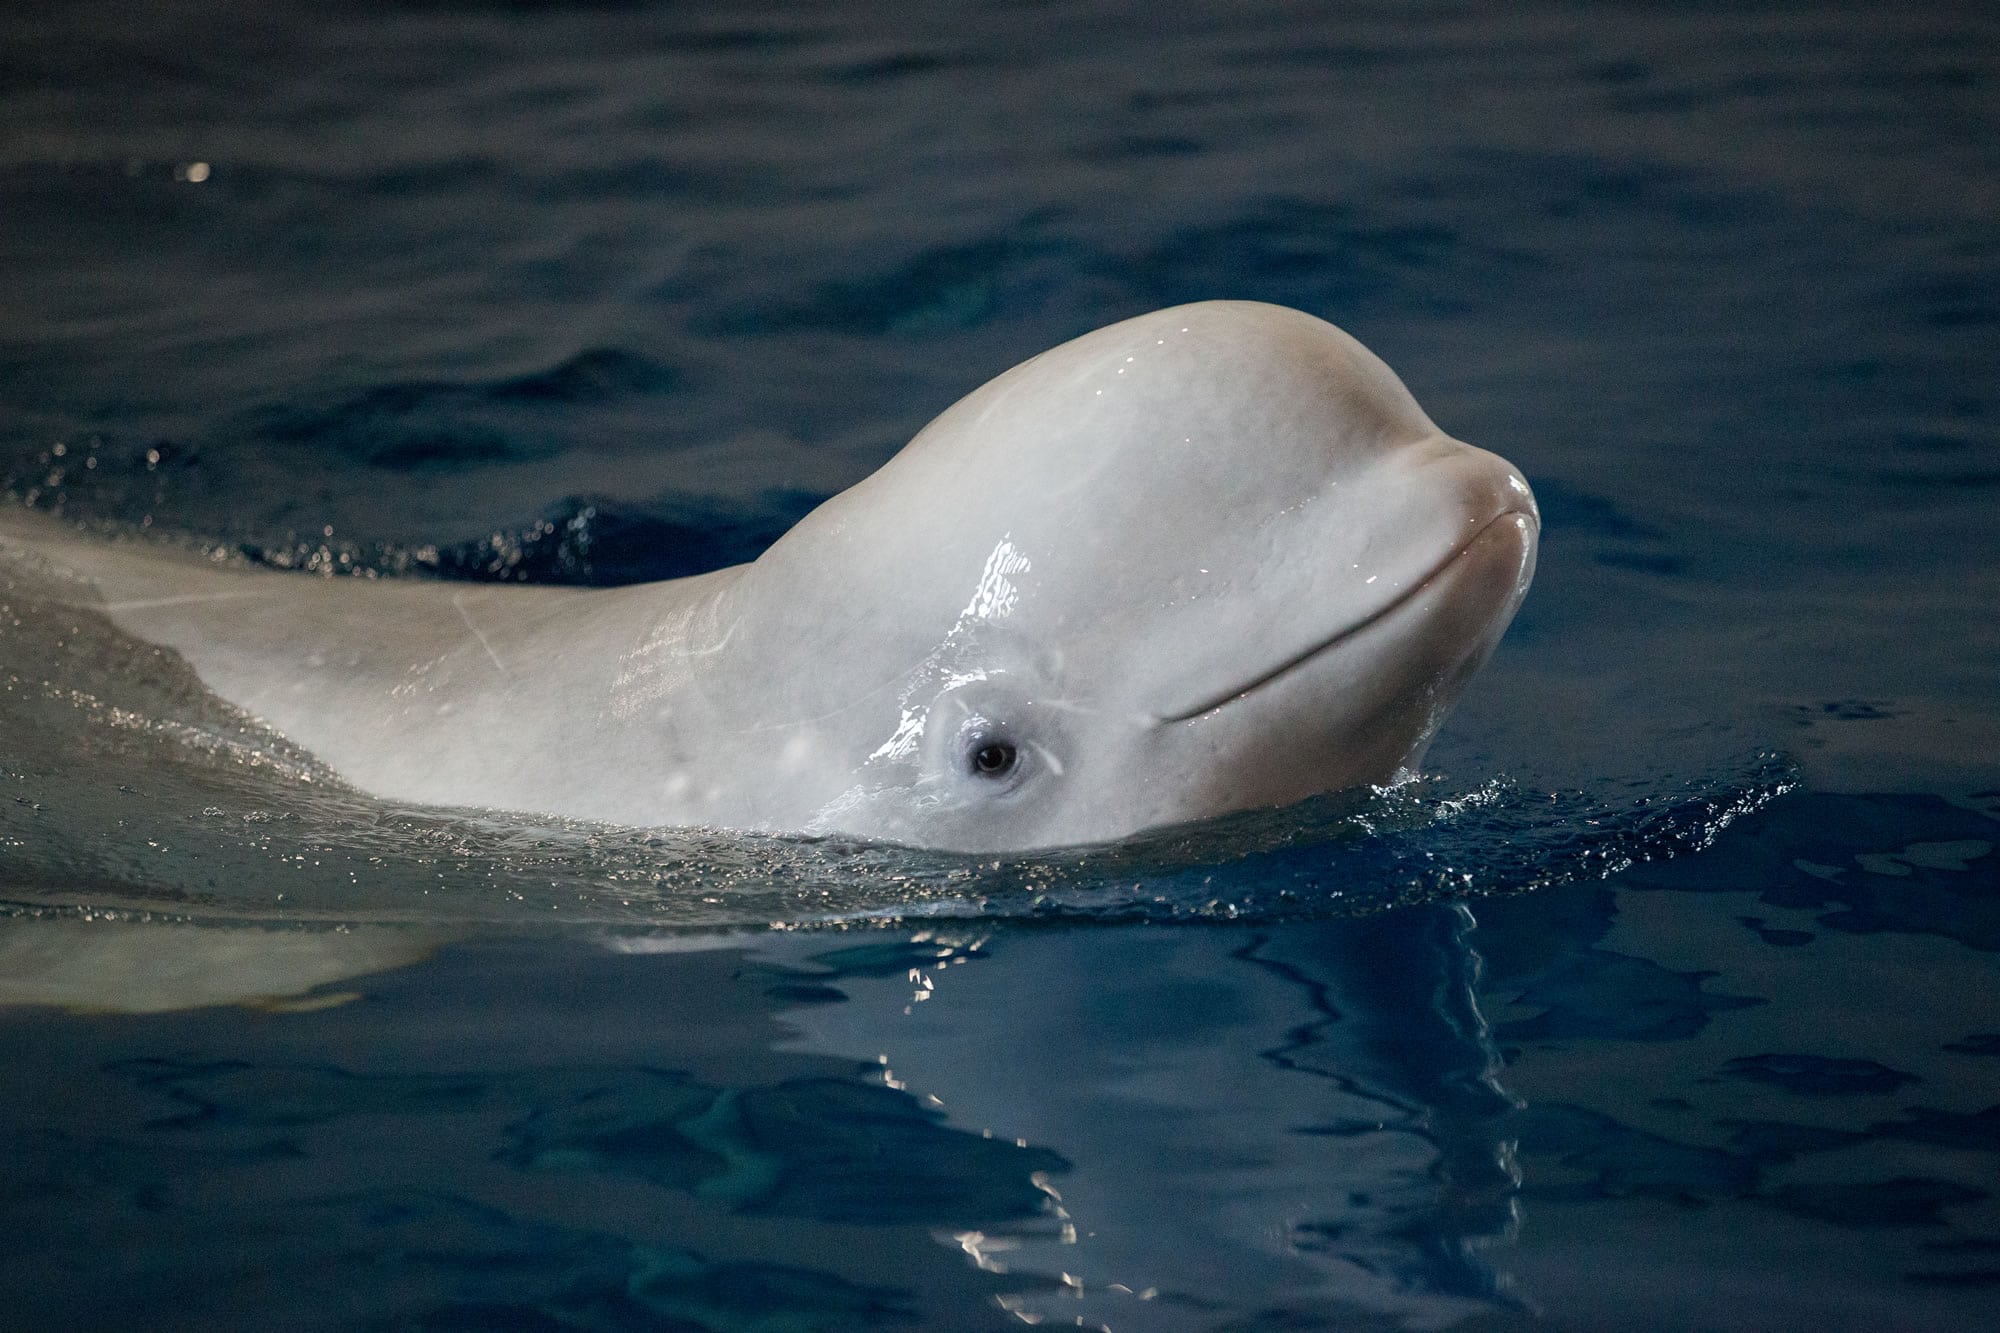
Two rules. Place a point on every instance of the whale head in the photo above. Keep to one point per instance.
(1208, 559)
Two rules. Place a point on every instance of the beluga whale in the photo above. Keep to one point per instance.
(1204, 560)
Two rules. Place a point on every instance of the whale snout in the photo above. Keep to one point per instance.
(1462, 497)
(1477, 484)
(1480, 568)
(1515, 497)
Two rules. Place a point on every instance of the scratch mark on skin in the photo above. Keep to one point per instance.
(459, 606)
(718, 645)
(866, 697)
(1079, 709)
(183, 599)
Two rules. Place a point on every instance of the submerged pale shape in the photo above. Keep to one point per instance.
(133, 968)
(1211, 558)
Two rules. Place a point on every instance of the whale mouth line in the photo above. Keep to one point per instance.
(1346, 632)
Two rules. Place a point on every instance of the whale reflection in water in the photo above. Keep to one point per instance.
(1323, 1097)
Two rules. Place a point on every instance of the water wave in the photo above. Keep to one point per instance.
(325, 855)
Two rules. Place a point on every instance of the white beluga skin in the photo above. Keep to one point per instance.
(1208, 559)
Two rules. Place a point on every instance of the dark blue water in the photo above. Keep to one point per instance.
(1669, 998)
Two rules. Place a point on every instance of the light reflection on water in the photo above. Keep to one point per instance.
(343, 859)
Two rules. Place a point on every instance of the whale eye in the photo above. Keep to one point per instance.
(994, 758)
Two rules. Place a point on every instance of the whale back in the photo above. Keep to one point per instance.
(421, 690)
